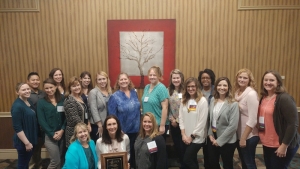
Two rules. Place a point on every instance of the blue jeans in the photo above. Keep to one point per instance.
(23, 156)
(247, 154)
(273, 161)
(178, 143)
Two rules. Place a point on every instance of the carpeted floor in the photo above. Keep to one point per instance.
(295, 164)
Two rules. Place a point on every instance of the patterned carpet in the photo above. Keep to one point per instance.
(295, 164)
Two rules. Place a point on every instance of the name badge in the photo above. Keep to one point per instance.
(146, 99)
(152, 147)
(60, 109)
(214, 126)
(180, 95)
(261, 122)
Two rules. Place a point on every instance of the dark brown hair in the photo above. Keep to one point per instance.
(105, 135)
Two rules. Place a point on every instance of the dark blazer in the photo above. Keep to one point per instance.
(227, 122)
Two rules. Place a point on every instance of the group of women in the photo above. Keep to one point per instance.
(203, 112)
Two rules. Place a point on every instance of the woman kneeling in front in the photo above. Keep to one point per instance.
(81, 152)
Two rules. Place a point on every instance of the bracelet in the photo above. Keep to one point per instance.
(193, 137)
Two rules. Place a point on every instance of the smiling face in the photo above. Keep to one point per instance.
(123, 81)
(205, 80)
(111, 126)
(243, 80)
(50, 89)
(34, 81)
(75, 88)
(191, 88)
(176, 80)
(147, 125)
(57, 76)
(270, 82)
(85, 81)
(82, 134)
(101, 81)
(24, 91)
(222, 88)
(152, 76)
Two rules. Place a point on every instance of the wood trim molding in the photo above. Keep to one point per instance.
(35, 8)
(12, 153)
(5, 114)
(267, 7)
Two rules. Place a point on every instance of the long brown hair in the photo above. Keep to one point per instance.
(57, 94)
(279, 89)
(171, 87)
(119, 134)
(82, 75)
(229, 96)
(51, 74)
(186, 96)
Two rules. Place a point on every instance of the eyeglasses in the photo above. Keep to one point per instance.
(190, 86)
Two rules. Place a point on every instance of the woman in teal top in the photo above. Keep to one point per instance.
(81, 152)
(52, 119)
(25, 125)
(155, 99)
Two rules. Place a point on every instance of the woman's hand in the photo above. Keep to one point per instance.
(215, 143)
(281, 151)
(174, 123)
(28, 146)
(212, 139)
(186, 140)
(100, 130)
(58, 135)
(242, 143)
(161, 130)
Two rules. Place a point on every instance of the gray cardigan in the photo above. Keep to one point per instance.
(285, 118)
(97, 106)
(227, 122)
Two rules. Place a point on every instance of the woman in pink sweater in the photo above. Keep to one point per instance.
(247, 132)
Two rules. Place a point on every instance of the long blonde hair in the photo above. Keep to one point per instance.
(102, 73)
(154, 130)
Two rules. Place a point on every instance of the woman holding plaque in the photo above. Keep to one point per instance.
(113, 140)
(81, 152)
(150, 147)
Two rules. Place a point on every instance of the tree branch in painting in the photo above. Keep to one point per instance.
(140, 50)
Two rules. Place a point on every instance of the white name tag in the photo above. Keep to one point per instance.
(261, 120)
(146, 99)
(180, 95)
(60, 109)
(152, 147)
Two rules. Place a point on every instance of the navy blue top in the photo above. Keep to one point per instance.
(24, 119)
(126, 109)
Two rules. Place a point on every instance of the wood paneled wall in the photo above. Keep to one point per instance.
(71, 34)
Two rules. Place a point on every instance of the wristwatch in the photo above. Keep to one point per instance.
(193, 137)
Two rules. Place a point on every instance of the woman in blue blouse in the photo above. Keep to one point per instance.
(82, 152)
(25, 125)
(124, 104)
(52, 119)
(155, 99)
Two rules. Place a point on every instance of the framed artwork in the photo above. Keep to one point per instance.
(114, 160)
(136, 45)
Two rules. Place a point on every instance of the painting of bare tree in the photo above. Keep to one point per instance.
(139, 51)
